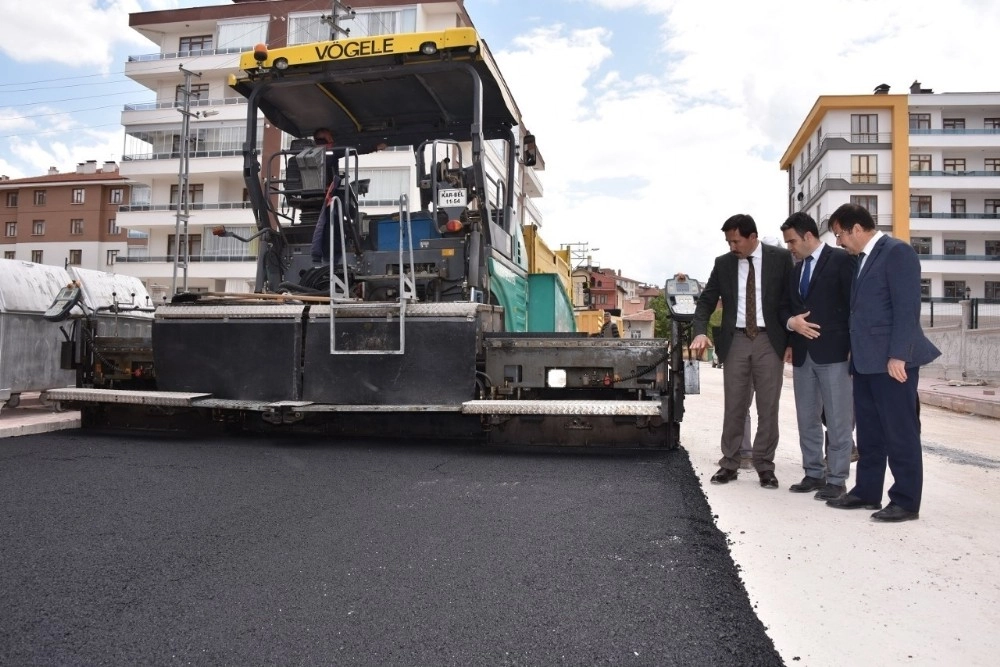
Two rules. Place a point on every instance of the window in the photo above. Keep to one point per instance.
(954, 288)
(196, 43)
(922, 244)
(864, 169)
(993, 248)
(991, 123)
(864, 128)
(954, 247)
(76, 226)
(196, 194)
(116, 195)
(958, 208)
(110, 258)
(809, 150)
(75, 257)
(10, 229)
(304, 29)
(992, 164)
(193, 245)
(385, 185)
(37, 227)
(39, 197)
(381, 23)
(991, 207)
(954, 164)
(920, 121)
(199, 91)
(9, 254)
(920, 163)
(819, 137)
(920, 206)
(11, 199)
(925, 287)
(36, 256)
(243, 33)
(869, 202)
(992, 289)
(77, 197)
(113, 229)
(953, 124)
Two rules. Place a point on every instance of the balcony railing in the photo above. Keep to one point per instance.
(148, 57)
(174, 104)
(192, 259)
(194, 206)
(955, 173)
(993, 130)
(173, 155)
(961, 258)
(957, 216)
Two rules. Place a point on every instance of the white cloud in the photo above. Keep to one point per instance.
(68, 32)
(648, 166)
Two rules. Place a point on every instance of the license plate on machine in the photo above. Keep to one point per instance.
(452, 197)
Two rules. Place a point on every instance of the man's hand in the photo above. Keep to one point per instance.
(897, 369)
(803, 327)
(699, 344)
(788, 355)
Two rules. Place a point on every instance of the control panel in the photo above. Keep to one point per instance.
(682, 297)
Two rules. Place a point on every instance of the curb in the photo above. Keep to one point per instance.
(960, 404)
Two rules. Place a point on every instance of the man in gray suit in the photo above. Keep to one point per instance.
(819, 298)
(752, 281)
(888, 347)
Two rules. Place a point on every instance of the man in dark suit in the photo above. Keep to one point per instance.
(819, 299)
(888, 348)
(752, 281)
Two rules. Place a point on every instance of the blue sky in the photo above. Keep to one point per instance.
(657, 119)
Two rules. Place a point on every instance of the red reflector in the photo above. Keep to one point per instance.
(608, 381)
(454, 226)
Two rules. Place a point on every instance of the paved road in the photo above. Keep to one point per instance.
(130, 551)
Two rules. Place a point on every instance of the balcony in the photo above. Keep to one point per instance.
(960, 265)
(165, 215)
(139, 166)
(152, 69)
(942, 138)
(160, 268)
(954, 180)
(844, 141)
(151, 113)
(967, 222)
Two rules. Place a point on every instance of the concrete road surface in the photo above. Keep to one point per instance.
(834, 587)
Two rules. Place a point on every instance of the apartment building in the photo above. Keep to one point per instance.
(208, 41)
(66, 219)
(925, 164)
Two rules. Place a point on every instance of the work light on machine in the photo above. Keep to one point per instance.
(428, 48)
(556, 378)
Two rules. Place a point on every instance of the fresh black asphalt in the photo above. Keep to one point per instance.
(155, 551)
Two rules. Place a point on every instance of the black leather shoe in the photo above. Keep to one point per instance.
(849, 502)
(724, 475)
(768, 480)
(894, 512)
(830, 492)
(808, 484)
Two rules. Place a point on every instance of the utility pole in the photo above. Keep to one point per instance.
(338, 12)
(183, 172)
(580, 253)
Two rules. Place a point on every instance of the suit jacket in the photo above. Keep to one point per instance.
(776, 264)
(885, 310)
(828, 302)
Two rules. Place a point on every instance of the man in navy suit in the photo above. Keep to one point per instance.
(752, 281)
(888, 347)
(819, 301)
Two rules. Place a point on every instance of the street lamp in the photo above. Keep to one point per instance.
(968, 292)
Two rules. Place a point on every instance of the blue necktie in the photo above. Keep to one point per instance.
(804, 281)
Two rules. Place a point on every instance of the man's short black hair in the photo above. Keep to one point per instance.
(801, 222)
(847, 216)
(742, 223)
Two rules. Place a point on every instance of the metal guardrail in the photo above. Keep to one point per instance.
(194, 206)
(955, 173)
(192, 258)
(947, 311)
(173, 104)
(956, 131)
(174, 155)
(964, 258)
(957, 216)
(149, 57)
